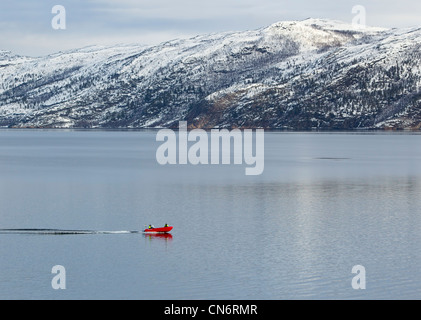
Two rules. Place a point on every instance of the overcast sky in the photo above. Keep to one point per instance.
(26, 24)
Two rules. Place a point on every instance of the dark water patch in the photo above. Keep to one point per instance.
(331, 158)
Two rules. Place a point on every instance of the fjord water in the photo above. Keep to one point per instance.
(324, 203)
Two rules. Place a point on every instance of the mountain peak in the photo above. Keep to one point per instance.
(325, 24)
(4, 53)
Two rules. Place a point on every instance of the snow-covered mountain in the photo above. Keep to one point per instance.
(299, 75)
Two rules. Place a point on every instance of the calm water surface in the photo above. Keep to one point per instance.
(325, 203)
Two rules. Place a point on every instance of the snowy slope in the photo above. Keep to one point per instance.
(294, 74)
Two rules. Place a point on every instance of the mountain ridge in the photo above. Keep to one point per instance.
(300, 75)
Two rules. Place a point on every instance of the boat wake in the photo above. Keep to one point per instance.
(61, 232)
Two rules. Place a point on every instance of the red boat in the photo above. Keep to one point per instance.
(152, 229)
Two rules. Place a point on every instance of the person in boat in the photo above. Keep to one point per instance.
(151, 226)
(166, 225)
